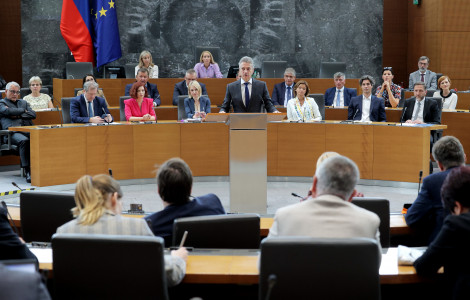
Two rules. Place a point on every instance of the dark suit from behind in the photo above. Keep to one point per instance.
(162, 221)
(182, 90)
(259, 96)
(79, 112)
(152, 92)
(11, 246)
(450, 249)
(426, 214)
(430, 110)
(21, 285)
(279, 93)
(377, 109)
(330, 96)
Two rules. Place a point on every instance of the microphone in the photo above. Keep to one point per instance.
(60, 116)
(420, 177)
(402, 115)
(9, 216)
(105, 114)
(295, 195)
(110, 171)
(17, 186)
(272, 279)
(355, 113)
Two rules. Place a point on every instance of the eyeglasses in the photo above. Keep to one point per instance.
(14, 92)
(387, 68)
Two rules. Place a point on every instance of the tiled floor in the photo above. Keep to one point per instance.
(279, 190)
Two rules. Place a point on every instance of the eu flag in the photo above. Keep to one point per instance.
(91, 30)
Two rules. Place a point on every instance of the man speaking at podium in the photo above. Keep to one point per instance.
(247, 94)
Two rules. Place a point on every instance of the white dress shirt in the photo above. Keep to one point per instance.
(366, 108)
(341, 97)
(420, 112)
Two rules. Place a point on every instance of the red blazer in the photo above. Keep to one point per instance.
(132, 108)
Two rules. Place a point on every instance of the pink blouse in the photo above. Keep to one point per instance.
(132, 108)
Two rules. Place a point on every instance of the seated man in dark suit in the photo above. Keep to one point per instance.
(247, 94)
(152, 90)
(283, 91)
(175, 181)
(11, 247)
(426, 214)
(88, 108)
(366, 107)
(425, 110)
(181, 88)
(17, 112)
(339, 95)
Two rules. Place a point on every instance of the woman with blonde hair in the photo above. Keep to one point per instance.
(195, 105)
(207, 67)
(145, 61)
(36, 99)
(449, 98)
(98, 211)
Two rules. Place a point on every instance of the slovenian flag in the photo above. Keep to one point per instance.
(91, 31)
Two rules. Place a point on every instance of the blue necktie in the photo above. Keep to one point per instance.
(247, 95)
(289, 93)
(338, 98)
(90, 110)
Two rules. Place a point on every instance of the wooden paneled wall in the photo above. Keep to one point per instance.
(440, 29)
(10, 50)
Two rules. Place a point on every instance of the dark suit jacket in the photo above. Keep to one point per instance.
(182, 90)
(330, 96)
(279, 93)
(430, 111)
(259, 96)
(162, 221)
(21, 285)
(79, 112)
(19, 114)
(377, 109)
(427, 213)
(450, 249)
(10, 245)
(151, 90)
(205, 104)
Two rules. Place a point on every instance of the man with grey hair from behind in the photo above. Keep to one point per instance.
(426, 214)
(329, 214)
(247, 95)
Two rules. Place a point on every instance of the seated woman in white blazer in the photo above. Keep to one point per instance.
(301, 107)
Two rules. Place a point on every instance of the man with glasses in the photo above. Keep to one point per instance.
(423, 75)
(17, 112)
(181, 88)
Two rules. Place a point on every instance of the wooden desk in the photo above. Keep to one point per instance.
(456, 122)
(241, 267)
(62, 155)
(216, 87)
(397, 222)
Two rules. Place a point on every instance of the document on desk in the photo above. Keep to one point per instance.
(44, 255)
